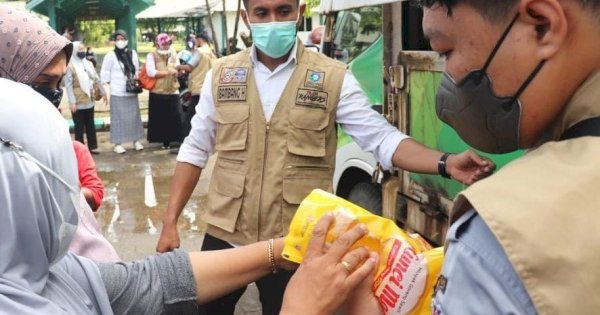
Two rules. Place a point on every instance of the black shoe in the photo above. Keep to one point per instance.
(174, 151)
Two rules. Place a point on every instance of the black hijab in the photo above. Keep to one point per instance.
(124, 56)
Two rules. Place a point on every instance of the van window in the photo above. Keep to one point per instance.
(355, 31)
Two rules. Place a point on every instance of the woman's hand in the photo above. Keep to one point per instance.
(325, 279)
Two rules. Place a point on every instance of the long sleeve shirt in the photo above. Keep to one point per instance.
(354, 114)
(112, 73)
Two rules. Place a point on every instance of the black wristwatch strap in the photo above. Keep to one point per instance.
(442, 165)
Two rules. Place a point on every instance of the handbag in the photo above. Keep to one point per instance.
(96, 95)
(146, 81)
(133, 85)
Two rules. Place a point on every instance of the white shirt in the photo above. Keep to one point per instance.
(112, 73)
(354, 113)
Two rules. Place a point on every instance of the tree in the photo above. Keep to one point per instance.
(310, 5)
(96, 32)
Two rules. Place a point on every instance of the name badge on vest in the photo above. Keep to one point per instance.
(314, 79)
(235, 75)
(311, 98)
(232, 93)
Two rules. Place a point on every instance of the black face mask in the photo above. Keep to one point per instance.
(485, 121)
(81, 54)
(51, 94)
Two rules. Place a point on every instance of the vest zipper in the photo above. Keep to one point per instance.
(262, 175)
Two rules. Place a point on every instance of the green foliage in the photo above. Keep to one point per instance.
(96, 32)
(311, 5)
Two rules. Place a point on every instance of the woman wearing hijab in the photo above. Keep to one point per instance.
(41, 206)
(125, 118)
(79, 81)
(40, 209)
(164, 111)
(40, 65)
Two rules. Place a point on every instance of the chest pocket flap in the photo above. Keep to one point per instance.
(232, 127)
(307, 132)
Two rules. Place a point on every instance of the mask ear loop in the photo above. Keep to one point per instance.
(20, 152)
(529, 79)
(499, 43)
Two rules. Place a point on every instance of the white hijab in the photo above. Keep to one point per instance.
(85, 70)
(38, 212)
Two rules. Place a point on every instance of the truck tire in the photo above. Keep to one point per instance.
(367, 195)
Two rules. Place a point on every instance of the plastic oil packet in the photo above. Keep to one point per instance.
(408, 265)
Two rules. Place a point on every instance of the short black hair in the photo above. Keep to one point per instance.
(496, 10)
(246, 3)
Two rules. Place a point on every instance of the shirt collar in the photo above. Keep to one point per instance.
(291, 58)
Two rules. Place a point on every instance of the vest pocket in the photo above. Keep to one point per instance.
(232, 127)
(225, 198)
(298, 182)
(307, 132)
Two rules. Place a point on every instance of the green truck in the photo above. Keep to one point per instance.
(383, 43)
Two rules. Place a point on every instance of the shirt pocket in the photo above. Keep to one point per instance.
(307, 132)
(232, 127)
(225, 198)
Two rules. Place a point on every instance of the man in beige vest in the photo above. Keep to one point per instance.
(525, 240)
(197, 66)
(270, 113)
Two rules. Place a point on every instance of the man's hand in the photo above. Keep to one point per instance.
(169, 238)
(323, 281)
(468, 167)
(73, 107)
(105, 100)
(362, 300)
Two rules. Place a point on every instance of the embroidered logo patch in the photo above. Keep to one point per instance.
(232, 93)
(314, 79)
(233, 75)
(311, 98)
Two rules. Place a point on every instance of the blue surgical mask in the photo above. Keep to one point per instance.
(485, 121)
(274, 39)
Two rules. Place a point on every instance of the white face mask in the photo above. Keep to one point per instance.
(68, 226)
(121, 44)
(163, 52)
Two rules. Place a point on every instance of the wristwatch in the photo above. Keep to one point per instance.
(442, 165)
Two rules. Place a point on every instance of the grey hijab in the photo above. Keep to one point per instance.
(39, 201)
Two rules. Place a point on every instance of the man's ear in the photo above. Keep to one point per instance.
(244, 16)
(548, 19)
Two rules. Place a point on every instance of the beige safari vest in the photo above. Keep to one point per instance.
(545, 210)
(265, 169)
(168, 84)
(80, 96)
(198, 75)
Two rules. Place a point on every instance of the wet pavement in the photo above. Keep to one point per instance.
(136, 195)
